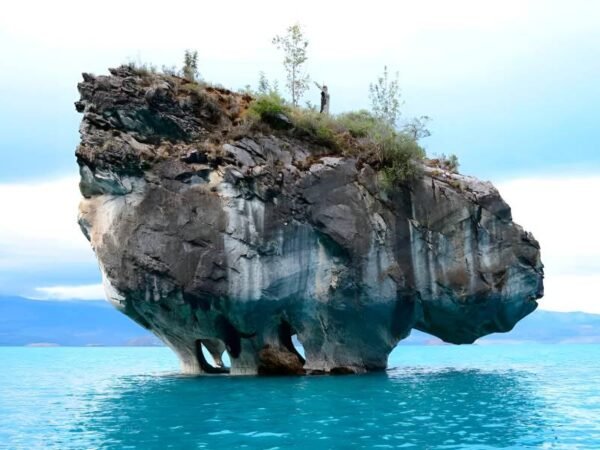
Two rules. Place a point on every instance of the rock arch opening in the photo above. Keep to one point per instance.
(209, 353)
(298, 346)
(289, 339)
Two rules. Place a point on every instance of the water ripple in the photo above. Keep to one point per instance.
(434, 398)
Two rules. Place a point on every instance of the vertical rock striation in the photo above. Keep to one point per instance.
(214, 235)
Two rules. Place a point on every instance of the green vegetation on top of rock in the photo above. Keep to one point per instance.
(359, 134)
(373, 137)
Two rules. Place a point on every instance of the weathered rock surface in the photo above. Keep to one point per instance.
(212, 234)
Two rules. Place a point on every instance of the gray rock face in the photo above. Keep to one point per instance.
(212, 234)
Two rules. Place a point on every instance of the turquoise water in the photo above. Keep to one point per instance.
(446, 397)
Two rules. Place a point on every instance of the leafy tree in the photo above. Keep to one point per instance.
(417, 128)
(386, 98)
(294, 46)
(190, 65)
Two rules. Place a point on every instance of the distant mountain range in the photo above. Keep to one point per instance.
(87, 323)
(540, 326)
(73, 323)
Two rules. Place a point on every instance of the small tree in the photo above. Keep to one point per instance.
(417, 128)
(449, 163)
(453, 163)
(265, 87)
(294, 46)
(190, 65)
(263, 84)
(386, 98)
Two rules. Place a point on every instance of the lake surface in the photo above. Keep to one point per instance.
(438, 397)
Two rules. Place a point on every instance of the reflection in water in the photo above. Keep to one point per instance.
(412, 408)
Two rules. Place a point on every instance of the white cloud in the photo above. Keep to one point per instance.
(83, 292)
(39, 225)
(431, 42)
(562, 214)
(243, 25)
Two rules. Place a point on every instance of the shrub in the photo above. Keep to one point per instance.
(266, 105)
(449, 163)
(270, 109)
(373, 140)
(453, 163)
(322, 128)
(142, 69)
(359, 123)
(456, 185)
(401, 158)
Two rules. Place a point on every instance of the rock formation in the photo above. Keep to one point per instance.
(213, 234)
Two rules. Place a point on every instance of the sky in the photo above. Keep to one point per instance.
(512, 88)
